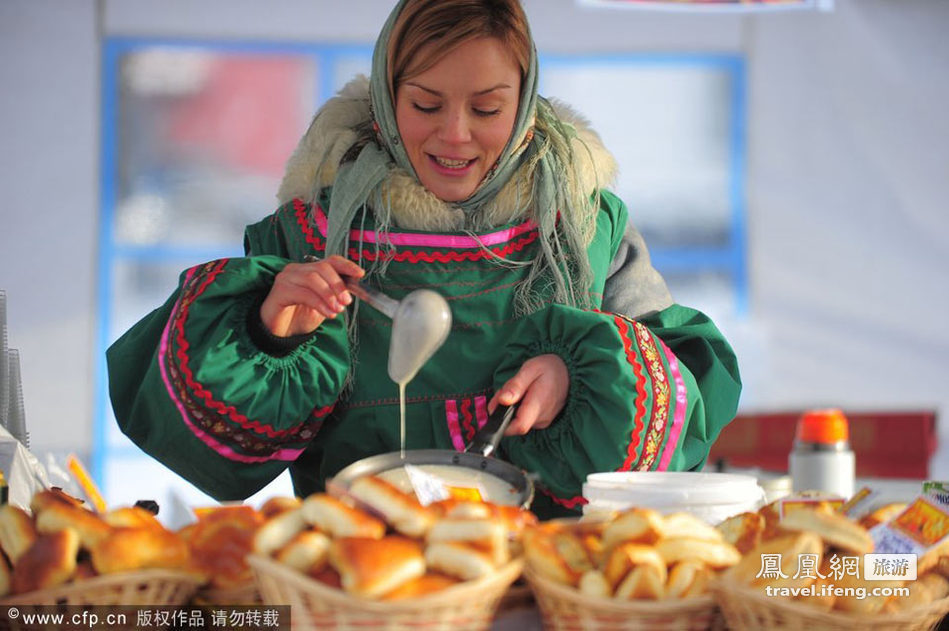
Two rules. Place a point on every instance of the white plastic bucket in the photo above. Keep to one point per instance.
(712, 497)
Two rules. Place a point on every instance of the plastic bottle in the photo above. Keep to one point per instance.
(821, 459)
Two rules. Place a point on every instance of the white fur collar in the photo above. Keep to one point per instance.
(332, 133)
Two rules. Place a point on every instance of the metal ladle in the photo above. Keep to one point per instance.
(420, 324)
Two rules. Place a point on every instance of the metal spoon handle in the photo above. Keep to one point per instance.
(374, 297)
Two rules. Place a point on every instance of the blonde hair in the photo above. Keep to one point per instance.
(427, 30)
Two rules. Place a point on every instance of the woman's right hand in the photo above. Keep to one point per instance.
(305, 294)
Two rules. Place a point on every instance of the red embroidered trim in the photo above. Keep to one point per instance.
(660, 393)
(301, 210)
(571, 503)
(467, 419)
(444, 257)
(203, 393)
(631, 455)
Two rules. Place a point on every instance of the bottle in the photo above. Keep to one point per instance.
(4, 489)
(821, 459)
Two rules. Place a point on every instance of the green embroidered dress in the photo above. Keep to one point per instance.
(649, 390)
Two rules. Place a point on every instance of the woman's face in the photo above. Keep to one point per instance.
(456, 117)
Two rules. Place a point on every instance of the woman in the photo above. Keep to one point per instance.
(446, 170)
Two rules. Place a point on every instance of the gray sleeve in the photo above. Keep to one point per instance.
(633, 287)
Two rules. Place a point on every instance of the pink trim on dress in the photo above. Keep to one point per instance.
(481, 410)
(682, 403)
(429, 240)
(454, 425)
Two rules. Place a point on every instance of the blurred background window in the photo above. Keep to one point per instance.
(196, 135)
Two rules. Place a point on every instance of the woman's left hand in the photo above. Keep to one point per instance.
(541, 387)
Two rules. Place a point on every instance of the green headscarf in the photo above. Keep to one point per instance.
(539, 140)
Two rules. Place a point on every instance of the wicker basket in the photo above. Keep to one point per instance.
(146, 587)
(749, 609)
(243, 595)
(468, 606)
(153, 588)
(563, 608)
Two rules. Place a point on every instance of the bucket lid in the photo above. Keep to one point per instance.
(665, 488)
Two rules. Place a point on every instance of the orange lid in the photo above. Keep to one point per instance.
(822, 426)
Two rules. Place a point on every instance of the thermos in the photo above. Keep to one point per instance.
(821, 459)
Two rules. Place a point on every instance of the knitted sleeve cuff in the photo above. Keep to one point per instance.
(266, 341)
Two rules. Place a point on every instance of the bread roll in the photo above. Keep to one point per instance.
(338, 519)
(689, 526)
(371, 568)
(131, 517)
(557, 554)
(638, 525)
(687, 579)
(834, 528)
(626, 556)
(17, 532)
(428, 583)
(743, 530)
(786, 550)
(594, 583)
(715, 554)
(486, 534)
(401, 510)
(53, 511)
(644, 582)
(278, 531)
(126, 549)
(276, 505)
(458, 559)
(307, 552)
(49, 562)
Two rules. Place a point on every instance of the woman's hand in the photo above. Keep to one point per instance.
(305, 294)
(541, 386)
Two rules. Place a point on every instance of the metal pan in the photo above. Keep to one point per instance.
(500, 482)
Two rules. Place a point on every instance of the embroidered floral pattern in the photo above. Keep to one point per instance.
(222, 422)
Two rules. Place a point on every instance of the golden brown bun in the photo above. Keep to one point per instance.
(789, 547)
(743, 530)
(373, 567)
(278, 531)
(557, 554)
(643, 582)
(459, 559)
(882, 514)
(402, 510)
(688, 579)
(461, 509)
(639, 525)
(276, 505)
(626, 556)
(926, 589)
(17, 532)
(131, 517)
(307, 552)
(49, 562)
(424, 585)
(688, 526)
(594, 583)
(6, 577)
(338, 519)
(715, 554)
(834, 528)
(219, 543)
(53, 510)
(487, 534)
(126, 549)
